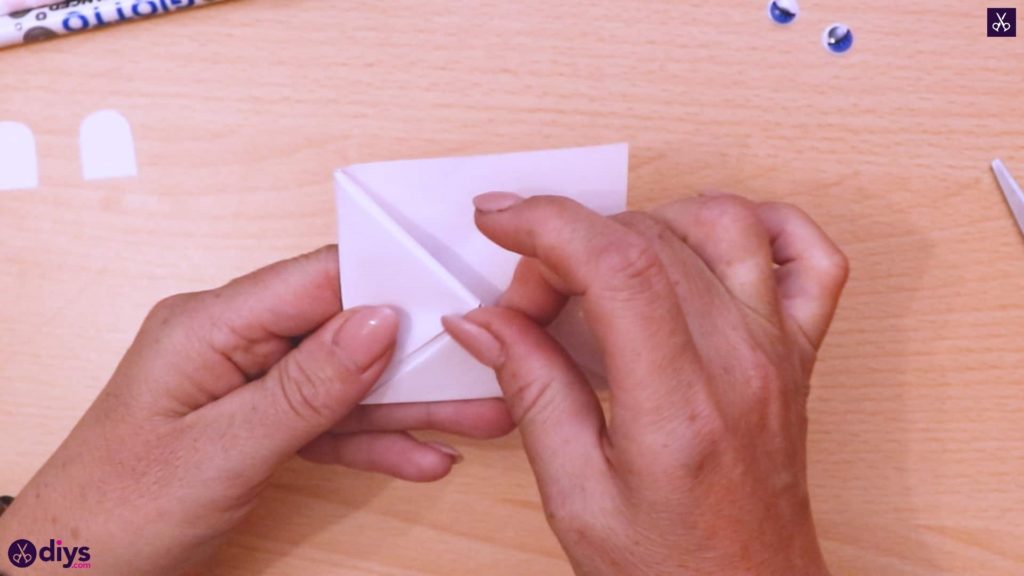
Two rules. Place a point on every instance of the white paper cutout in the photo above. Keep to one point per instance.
(19, 166)
(107, 147)
(407, 239)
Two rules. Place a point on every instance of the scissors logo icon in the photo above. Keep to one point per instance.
(22, 553)
(1002, 22)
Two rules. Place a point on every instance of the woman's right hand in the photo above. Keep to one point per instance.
(710, 312)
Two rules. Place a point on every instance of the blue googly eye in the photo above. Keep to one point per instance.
(838, 38)
(783, 11)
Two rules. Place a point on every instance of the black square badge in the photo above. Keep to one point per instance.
(1002, 22)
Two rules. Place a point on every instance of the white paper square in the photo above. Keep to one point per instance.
(407, 239)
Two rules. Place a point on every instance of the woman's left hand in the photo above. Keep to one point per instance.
(218, 390)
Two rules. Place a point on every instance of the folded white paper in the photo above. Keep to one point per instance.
(407, 239)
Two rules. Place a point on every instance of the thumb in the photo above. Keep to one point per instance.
(310, 389)
(557, 412)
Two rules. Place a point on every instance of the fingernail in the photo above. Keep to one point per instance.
(449, 450)
(496, 201)
(476, 339)
(367, 335)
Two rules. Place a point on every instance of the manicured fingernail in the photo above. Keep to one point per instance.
(476, 339)
(367, 335)
(442, 447)
(496, 201)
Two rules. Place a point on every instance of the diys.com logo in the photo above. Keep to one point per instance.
(23, 553)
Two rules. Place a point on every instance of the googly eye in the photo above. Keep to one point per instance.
(838, 38)
(783, 11)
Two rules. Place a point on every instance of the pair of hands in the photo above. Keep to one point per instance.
(709, 311)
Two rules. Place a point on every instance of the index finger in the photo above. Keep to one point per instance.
(627, 296)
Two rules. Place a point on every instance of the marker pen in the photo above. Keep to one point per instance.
(73, 16)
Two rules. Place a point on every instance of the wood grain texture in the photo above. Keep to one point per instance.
(242, 110)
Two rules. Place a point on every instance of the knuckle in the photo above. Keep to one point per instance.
(790, 211)
(728, 211)
(304, 391)
(171, 308)
(646, 225)
(670, 207)
(835, 266)
(706, 440)
(636, 221)
(567, 518)
(630, 260)
(831, 262)
(249, 352)
(528, 394)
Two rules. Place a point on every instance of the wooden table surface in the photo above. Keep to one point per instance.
(240, 112)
